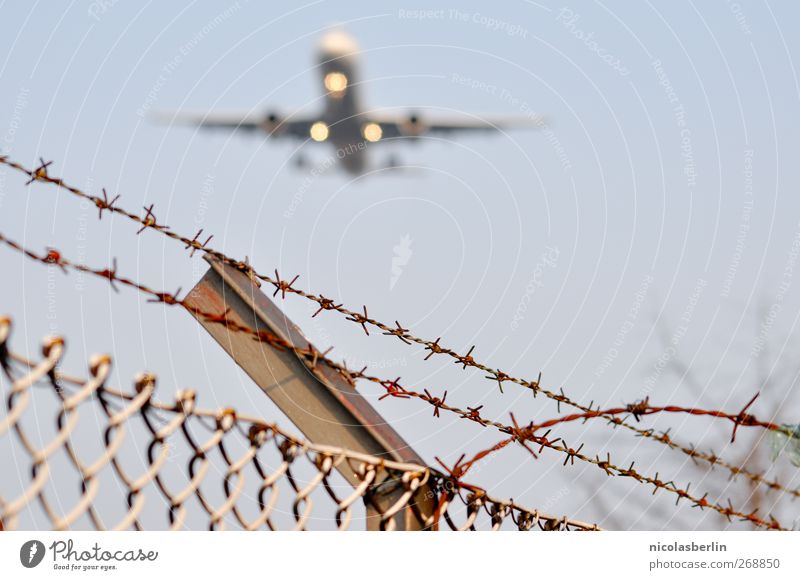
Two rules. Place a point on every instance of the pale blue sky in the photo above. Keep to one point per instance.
(639, 187)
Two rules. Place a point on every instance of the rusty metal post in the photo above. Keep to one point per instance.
(325, 407)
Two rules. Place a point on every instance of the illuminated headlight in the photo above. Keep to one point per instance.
(319, 131)
(335, 82)
(372, 132)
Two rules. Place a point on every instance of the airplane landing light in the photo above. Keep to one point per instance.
(372, 132)
(319, 131)
(336, 83)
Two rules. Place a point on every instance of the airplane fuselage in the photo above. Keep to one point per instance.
(344, 126)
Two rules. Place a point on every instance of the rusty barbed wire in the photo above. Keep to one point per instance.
(311, 357)
(771, 523)
(403, 334)
(482, 511)
(643, 408)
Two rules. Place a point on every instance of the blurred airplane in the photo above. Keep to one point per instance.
(344, 123)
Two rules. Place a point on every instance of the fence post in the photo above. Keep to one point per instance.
(324, 406)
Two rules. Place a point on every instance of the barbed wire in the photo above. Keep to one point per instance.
(311, 357)
(375, 474)
(643, 408)
(282, 286)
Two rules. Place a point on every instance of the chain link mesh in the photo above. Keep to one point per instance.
(157, 465)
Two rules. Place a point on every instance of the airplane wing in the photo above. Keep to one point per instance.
(414, 124)
(271, 123)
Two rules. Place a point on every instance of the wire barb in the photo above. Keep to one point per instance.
(282, 285)
(149, 220)
(104, 204)
(38, 174)
(194, 243)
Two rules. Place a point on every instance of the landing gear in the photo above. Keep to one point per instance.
(300, 161)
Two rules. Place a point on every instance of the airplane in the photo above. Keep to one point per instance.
(345, 123)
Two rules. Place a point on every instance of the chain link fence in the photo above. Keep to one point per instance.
(126, 461)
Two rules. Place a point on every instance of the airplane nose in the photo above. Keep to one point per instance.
(338, 42)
